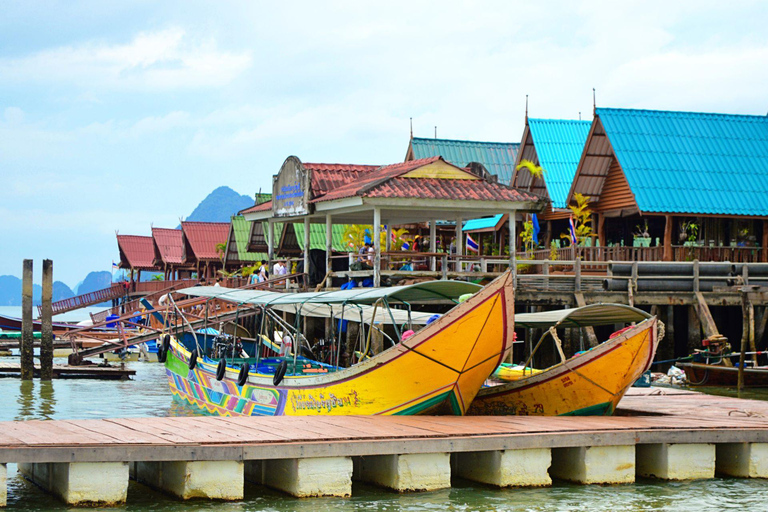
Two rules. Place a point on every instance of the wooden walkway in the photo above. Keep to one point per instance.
(64, 371)
(674, 417)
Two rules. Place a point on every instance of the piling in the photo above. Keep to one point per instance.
(27, 339)
(46, 329)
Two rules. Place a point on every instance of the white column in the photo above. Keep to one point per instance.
(594, 464)
(81, 483)
(303, 478)
(377, 247)
(306, 246)
(219, 479)
(676, 461)
(504, 468)
(3, 485)
(408, 472)
(270, 242)
(433, 242)
(459, 242)
(388, 238)
(513, 245)
(328, 246)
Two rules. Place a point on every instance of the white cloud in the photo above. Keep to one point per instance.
(165, 60)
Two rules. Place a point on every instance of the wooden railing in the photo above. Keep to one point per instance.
(732, 254)
(87, 299)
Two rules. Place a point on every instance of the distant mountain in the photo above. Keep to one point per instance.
(61, 291)
(220, 205)
(95, 281)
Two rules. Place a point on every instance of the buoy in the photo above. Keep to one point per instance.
(193, 359)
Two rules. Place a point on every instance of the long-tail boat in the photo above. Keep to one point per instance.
(437, 370)
(589, 383)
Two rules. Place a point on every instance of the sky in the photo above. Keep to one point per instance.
(116, 116)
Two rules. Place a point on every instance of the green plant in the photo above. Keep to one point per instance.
(527, 235)
(553, 250)
(534, 170)
(582, 219)
(158, 277)
(221, 249)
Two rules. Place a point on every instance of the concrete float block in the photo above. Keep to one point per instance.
(594, 464)
(303, 478)
(220, 479)
(505, 468)
(3, 485)
(81, 483)
(743, 460)
(676, 461)
(408, 472)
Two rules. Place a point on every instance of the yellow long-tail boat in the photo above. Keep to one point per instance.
(437, 370)
(589, 383)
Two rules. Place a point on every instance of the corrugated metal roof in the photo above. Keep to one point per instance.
(317, 236)
(204, 236)
(169, 244)
(687, 162)
(559, 144)
(483, 223)
(497, 157)
(136, 252)
(242, 231)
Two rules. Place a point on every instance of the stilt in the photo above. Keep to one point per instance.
(322, 476)
(27, 340)
(46, 329)
(221, 480)
(3, 485)
(409, 472)
(505, 468)
(594, 464)
(377, 247)
(742, 460)
(694, 330)
(81, 483)
(676, 461)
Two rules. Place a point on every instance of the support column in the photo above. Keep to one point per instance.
(676, 461)
(409, 472)
(513, 245)
(81, 483)
(668, 254)
(221, 479)
(328, 247)
(3, 485)
(27, 339)
(765, 242)
(270, 242)
(459, 242)
(376, 247)
(505, 468)
(601, 229)
(742, 460)
(303, 478)
(388, 238)
(307, 228)
(594, 464)
(694, 330)
(46, 328)
(433, 243)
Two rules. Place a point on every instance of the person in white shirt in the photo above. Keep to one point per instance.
(279, 269)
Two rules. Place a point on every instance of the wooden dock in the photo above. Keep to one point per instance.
(65, 371)
(668, 434)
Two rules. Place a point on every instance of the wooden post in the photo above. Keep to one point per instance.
(27, 336)
(307, 228)
(669, 334)
(577, 275)
(764, 249)
(695, 275)
(433, 243)
(601, 229)
(444, 265)
(548, 239)
(667, 238)
(271, 243)
(745, 306)
(694, 329)
(46, 329)
(546, 274)
(513, 246)
(459, 242)
(376, 247)
(328, 248)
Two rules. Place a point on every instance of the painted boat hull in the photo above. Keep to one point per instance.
(591, 383)
(439, 370)
(712, 375)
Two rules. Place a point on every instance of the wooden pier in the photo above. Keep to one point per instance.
(65, 371)
(659, 433)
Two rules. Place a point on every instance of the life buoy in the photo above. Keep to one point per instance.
(280, 372)
(242, 377)
(193, 359)
(221, 369)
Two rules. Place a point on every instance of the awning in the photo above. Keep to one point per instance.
(586, 316)
(420, 292)
(357, 313)
(485, 224)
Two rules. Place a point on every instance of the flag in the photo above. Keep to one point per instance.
(406, 246)
(471, 244)
(572, 227)
(536, 229)
(114, 265)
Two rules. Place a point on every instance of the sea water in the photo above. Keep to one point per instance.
(148, 395)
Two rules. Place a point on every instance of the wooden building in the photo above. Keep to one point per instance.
(137, 253)
(204, 245)
(169, 252)
(677, 185)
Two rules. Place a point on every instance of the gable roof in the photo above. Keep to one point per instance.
(169, 246)
(137, 252)
(203, 237)
(326, 177)
(558, 144)
(484, 224)
(497, 157)
(237, 243)
(689, 162)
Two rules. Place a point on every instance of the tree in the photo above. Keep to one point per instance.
(535, 171)
(582, 219)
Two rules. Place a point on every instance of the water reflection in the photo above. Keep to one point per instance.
(26, 401)
(47, 400)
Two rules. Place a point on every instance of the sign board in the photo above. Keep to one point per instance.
(291, 189)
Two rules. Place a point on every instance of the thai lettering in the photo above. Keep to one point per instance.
(323, 403)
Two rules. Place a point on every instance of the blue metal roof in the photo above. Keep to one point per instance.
(497, 157)
(559, 144)
(484, 223)
(686, 162)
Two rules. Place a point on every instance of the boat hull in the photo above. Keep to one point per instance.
(439, 370)
(711, 375)
(591, 383)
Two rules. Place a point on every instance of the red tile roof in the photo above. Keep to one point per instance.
(203, 237)
(327, 177)
(431, 188)
(169, 244)
(263, 207)
(136, 252)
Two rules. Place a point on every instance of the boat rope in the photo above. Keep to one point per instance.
(748, 414)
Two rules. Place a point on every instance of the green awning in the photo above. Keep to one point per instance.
(586, 316)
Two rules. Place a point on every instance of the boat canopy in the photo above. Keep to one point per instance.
(419, 292)
(585, 316)
(357, 313)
